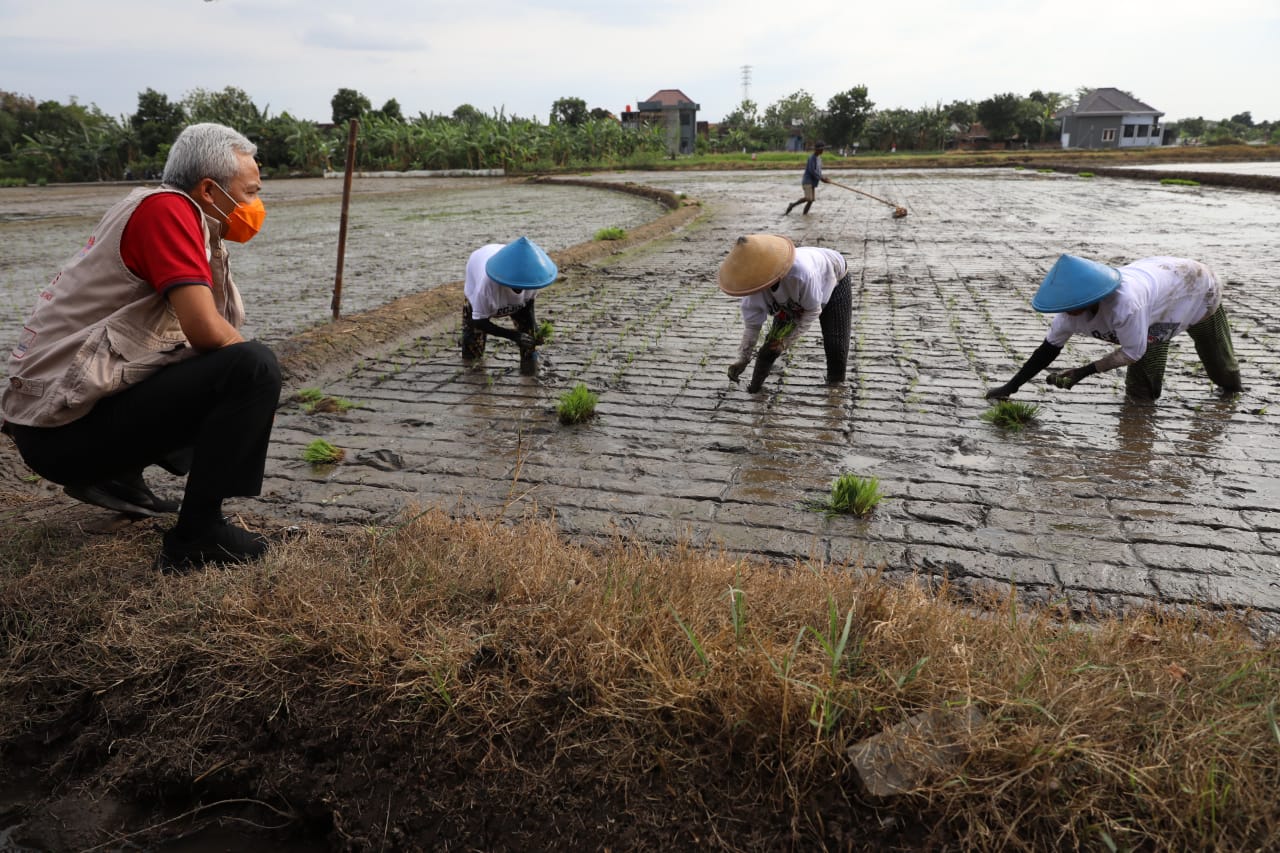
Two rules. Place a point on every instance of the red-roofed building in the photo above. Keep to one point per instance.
(675, 110)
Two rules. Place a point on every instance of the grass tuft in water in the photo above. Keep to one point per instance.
(1179, 182)
(850, 495)
(1011, 414)
(577, 404)
(1084, 174)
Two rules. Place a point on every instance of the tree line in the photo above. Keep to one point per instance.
(851, 121)
(43, 142)
(49, 141)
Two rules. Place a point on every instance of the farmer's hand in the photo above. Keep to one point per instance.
(1002, 392)
(526, 341)
(1069, 377)
(735, 370)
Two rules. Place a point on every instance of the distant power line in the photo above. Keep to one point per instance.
(746, 82)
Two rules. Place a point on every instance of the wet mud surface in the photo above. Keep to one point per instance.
(1101, 505)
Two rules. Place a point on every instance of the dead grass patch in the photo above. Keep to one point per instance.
(383, 682)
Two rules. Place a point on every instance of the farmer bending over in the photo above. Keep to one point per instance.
(794, 287)
(1140, 306)
(502, 281)
(133, 357)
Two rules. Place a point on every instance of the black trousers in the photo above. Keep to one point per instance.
(220, 404)
(835, 321)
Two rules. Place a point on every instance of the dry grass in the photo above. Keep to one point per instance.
(666, 685)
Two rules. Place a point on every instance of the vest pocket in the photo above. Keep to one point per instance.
(111, 360)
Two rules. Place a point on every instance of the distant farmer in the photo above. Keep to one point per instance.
(1140, 307)
(132, 356)
(792, 287)
(502, 281)
(809, 180)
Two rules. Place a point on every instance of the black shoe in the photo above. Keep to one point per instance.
(133, 499)
(135, 491)
(789, 207)
(222, 543)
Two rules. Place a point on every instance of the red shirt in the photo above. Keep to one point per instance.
(164, 245)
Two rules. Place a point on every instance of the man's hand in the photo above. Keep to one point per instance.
(526, 341)
(1002, 392)
(735, 370)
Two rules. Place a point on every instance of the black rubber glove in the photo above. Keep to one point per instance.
(1069, 377)
(1039, 360)
(526, 341)
(764, 363)
(735, 370)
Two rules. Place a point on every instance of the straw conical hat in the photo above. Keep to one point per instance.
(523, 264)
(1074, 283)
(755, 262)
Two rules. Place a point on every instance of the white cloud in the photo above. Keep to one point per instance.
(1183, 57)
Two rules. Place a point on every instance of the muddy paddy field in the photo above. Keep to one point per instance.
(1099, 506)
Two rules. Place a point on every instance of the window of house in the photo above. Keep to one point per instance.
(1128, 131)
(1109, 135)
(1144, 130)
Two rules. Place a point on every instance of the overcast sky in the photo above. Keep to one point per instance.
(1184, 57)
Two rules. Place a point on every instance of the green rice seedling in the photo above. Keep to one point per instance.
(778, 331)
(546, 329)
(1179, 182)
(321, 452)
(1011, 414)
(850, 495)
(611, 233)
(1084, 174)
(1045, 171)
(577, 404)
(314, 401)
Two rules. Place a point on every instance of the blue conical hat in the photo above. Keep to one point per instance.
(1074, 283)
(523, 264)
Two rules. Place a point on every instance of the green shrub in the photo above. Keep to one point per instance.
(577, 404)
(611, 233)
(1011, 414)
(321, 452)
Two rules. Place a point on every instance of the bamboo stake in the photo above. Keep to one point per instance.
(336, 304)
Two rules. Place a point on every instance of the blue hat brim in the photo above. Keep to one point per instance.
(1074, 283)
(523, 264)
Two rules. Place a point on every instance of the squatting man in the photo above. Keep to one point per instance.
(1140, 306)
(133, 356)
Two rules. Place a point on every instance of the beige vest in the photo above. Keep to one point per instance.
(98, 328)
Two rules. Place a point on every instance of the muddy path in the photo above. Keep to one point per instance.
(1101, 506)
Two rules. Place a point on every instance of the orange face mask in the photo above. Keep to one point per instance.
(244, 220)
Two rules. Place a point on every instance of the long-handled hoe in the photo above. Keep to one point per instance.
(898, 210)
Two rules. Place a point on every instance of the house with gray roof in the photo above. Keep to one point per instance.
(1109, 118)
(675, 110)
